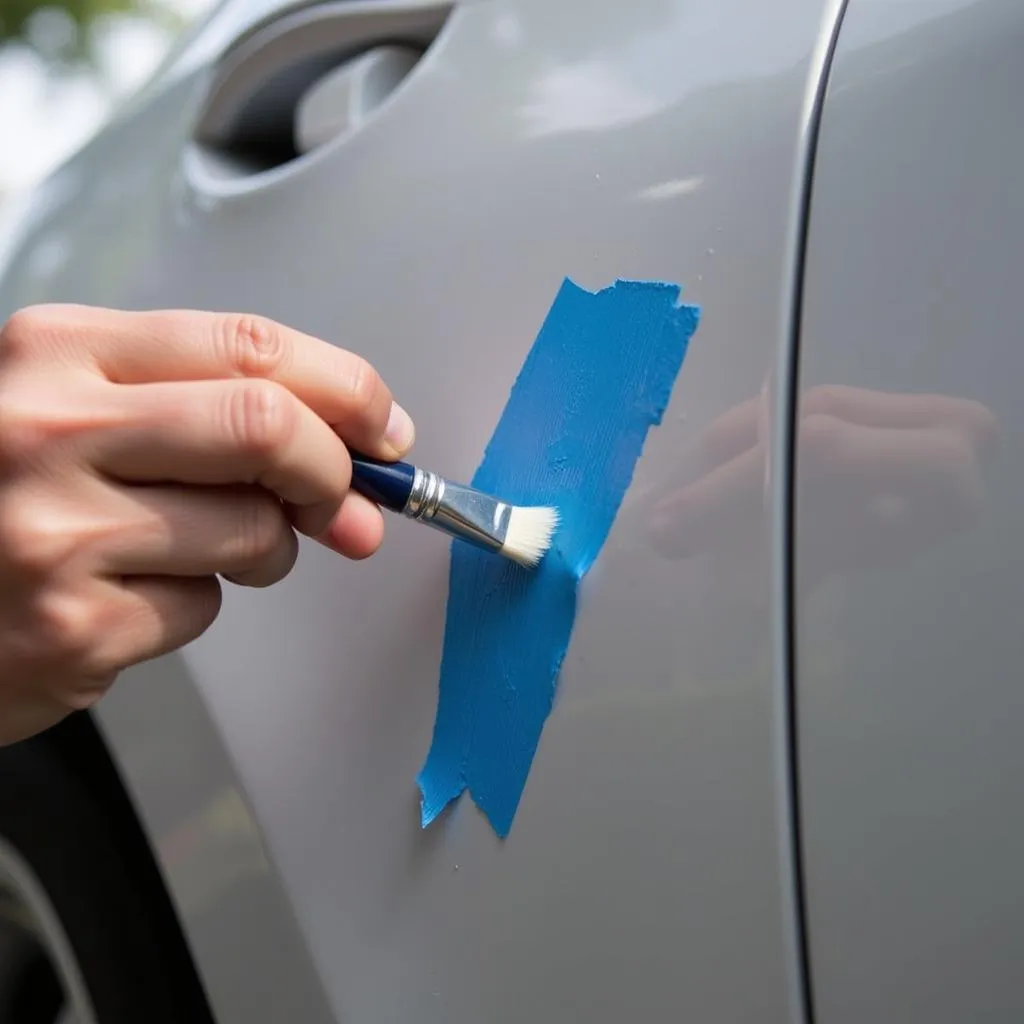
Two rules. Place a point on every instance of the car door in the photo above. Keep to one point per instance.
(909, 503)
(649, 873)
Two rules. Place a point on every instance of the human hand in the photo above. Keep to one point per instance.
(144, 454)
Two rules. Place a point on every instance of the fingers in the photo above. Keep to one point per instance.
(71, 651)
(229, 432)
(736, 430)
(240, 533)
(78, 636)
(150, 616)
(731, 434)
(903, 411)
(931, 464)
(357, 530)
(139, 348)
(726, 437)
(863, 466)
(144, 454)
(711, 511)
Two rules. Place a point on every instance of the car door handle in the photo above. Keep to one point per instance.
(342, 99)
(308, 78)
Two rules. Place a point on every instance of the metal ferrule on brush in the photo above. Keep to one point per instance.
(458, 511)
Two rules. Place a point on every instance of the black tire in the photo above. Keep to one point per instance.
(63, 809)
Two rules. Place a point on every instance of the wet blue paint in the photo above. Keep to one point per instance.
(597, 378)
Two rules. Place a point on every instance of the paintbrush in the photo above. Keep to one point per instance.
(519, 533)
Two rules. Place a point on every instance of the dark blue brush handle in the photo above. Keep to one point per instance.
(386, 483)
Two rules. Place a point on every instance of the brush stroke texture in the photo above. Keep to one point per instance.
(597, 378)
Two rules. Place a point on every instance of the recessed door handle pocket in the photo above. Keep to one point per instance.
(309, 78)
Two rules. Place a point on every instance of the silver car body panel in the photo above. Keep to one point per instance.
(908, 553)
(650, 871)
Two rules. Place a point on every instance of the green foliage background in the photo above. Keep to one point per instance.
(16, 18)
(15, 14)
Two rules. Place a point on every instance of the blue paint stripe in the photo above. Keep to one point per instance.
(598, 377)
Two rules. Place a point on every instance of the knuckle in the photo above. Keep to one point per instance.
(29, 544)
(68, 624)
(183, 616)
(23, 330)
(273, 568)
(20, 427)
(366, 384)
(262, 416)
(262, 529)
(34, 414)
(255, 346)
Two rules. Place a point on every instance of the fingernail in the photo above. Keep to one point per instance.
(400, 432)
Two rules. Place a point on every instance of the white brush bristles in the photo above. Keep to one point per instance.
(529, 534)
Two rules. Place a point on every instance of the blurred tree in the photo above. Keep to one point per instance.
(59, 29)
(16, 14)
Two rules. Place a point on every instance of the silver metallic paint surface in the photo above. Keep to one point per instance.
(908, 541)
(643, 878)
